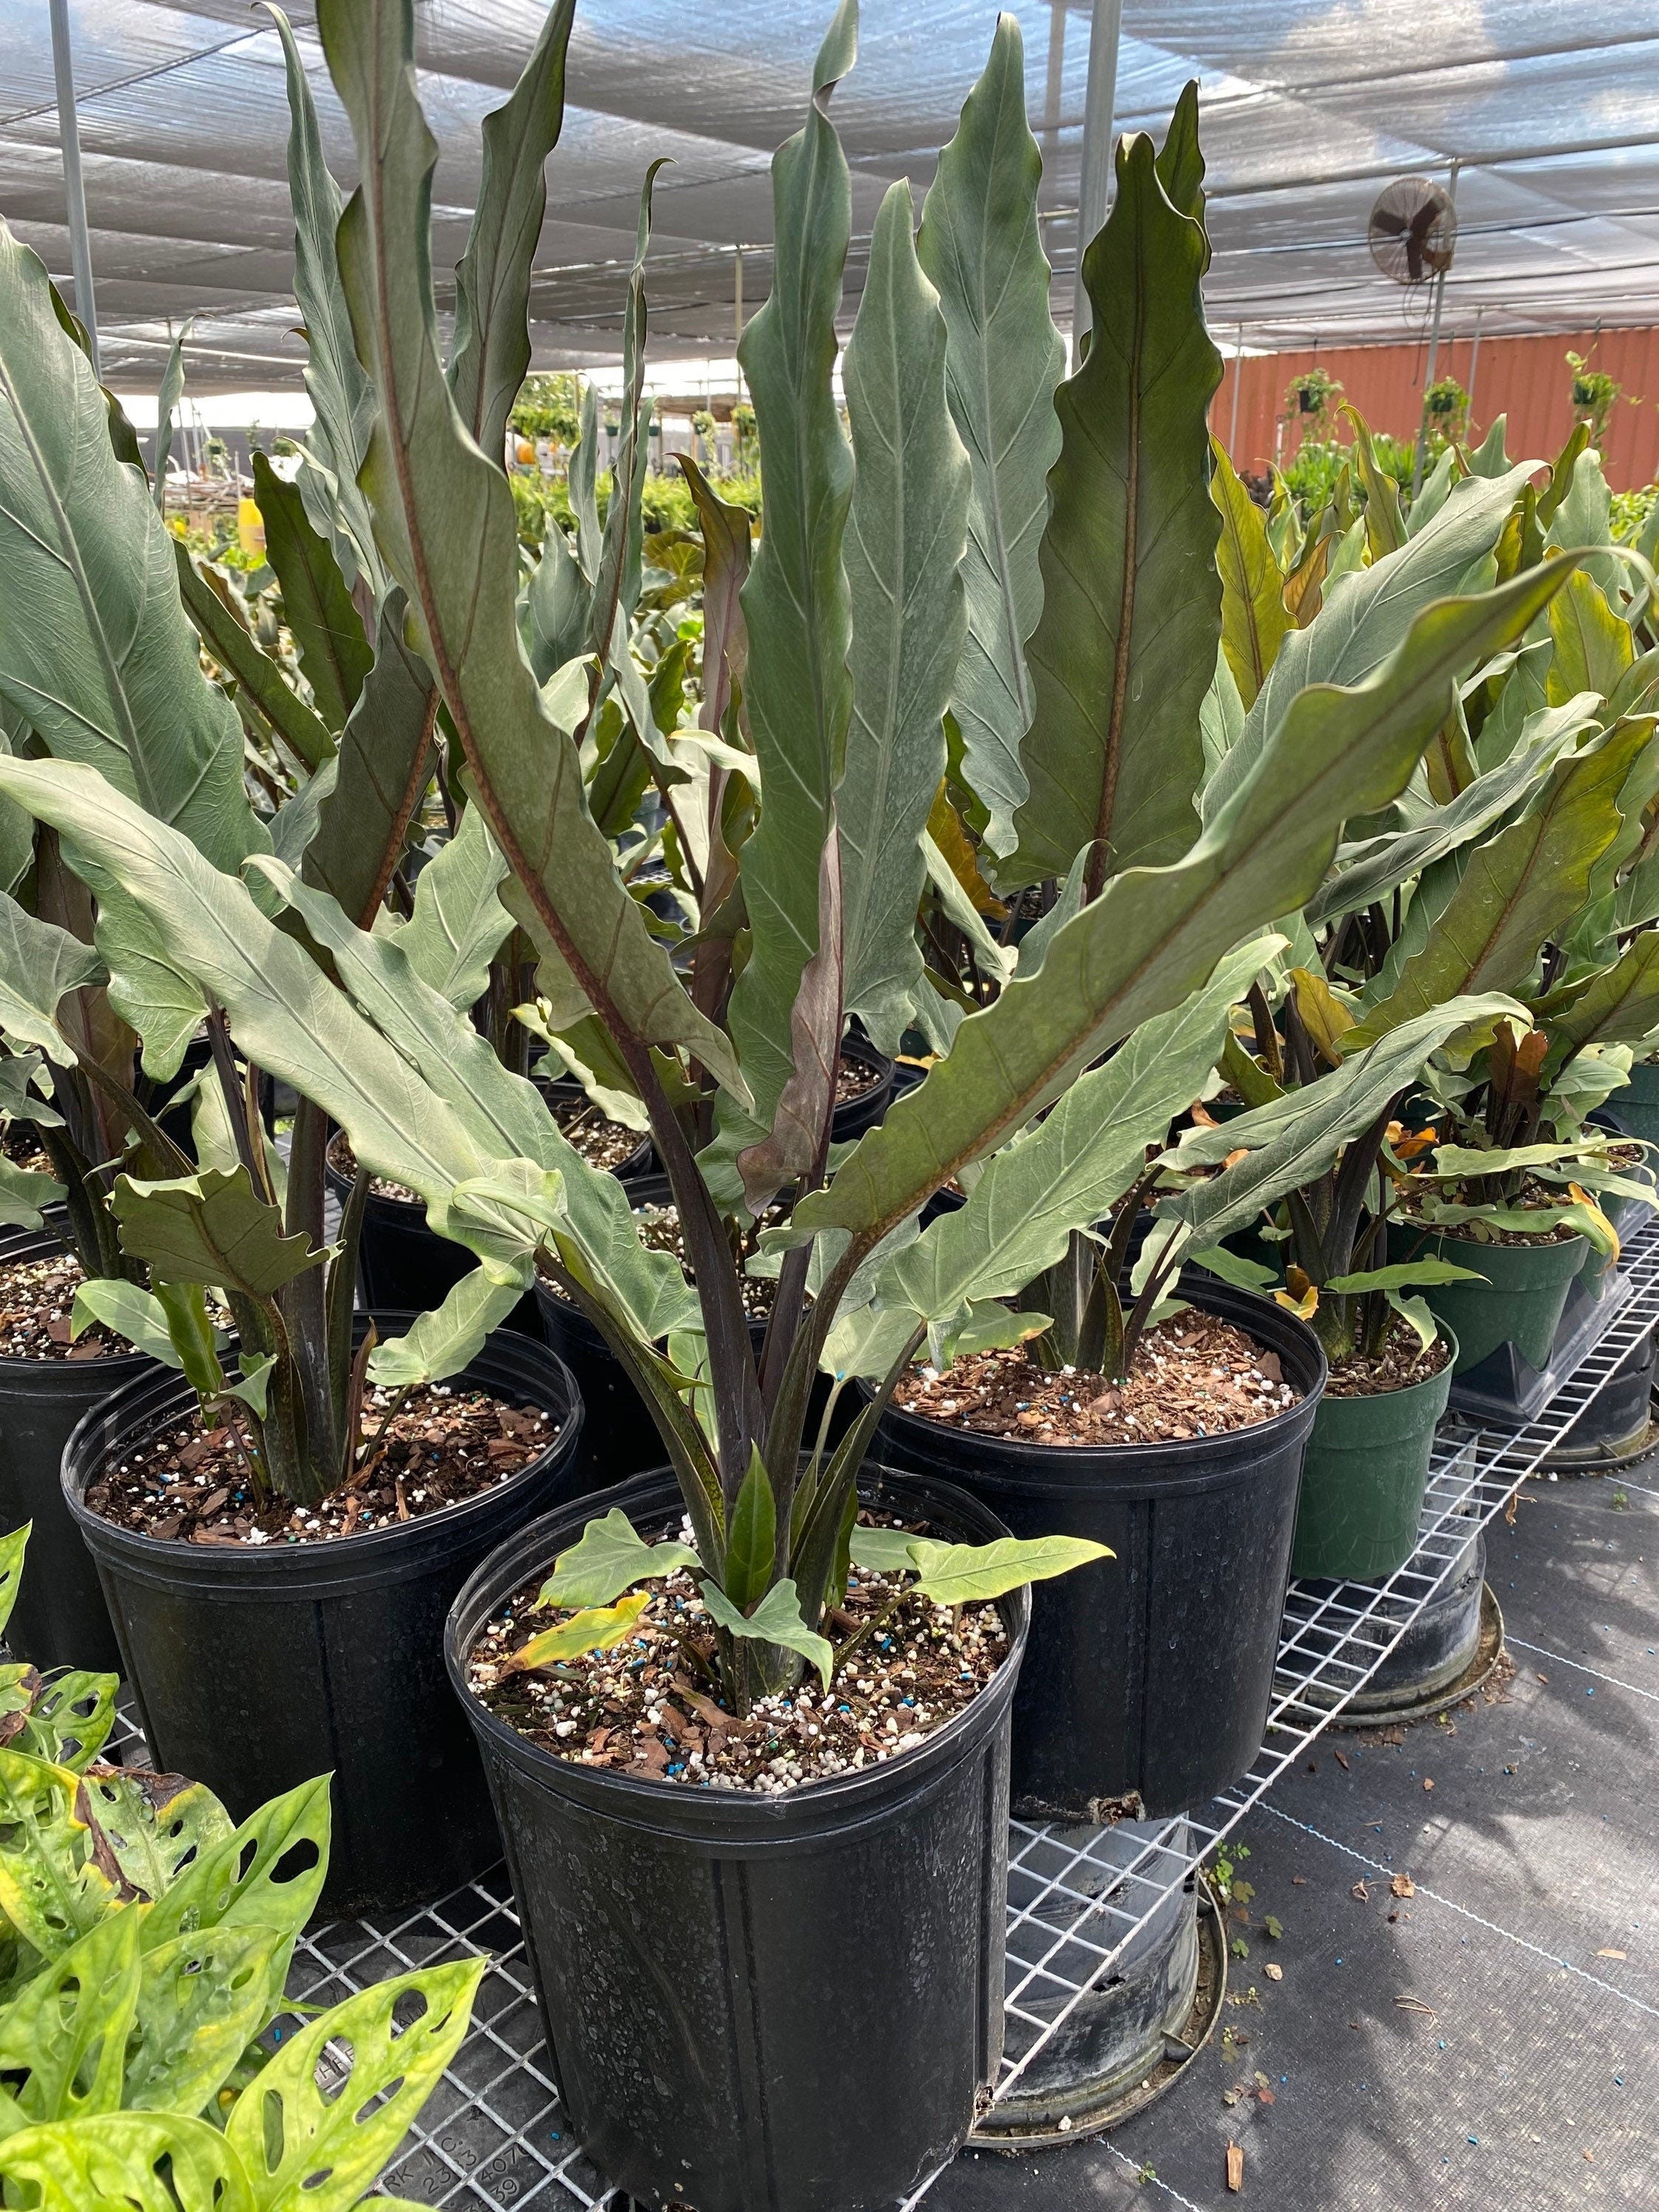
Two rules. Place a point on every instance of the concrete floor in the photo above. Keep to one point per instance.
(1490, 2044)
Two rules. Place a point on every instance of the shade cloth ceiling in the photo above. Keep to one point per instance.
(1307, 108)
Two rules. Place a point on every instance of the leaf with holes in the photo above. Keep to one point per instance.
(52, 1891)
(63, 2035)
(268, 1873)
(127, 2163)
(202, 1999)
(155, 1825)
(301, 2148)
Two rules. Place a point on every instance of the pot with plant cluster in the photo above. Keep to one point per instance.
(813, 1973)
(1149, 1674)
(60, 1619)
(263, 1649)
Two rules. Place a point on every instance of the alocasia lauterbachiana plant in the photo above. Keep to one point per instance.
(884, 596)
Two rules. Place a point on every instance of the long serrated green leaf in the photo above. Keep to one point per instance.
(126, 2162)
(339, 389)
(334, 653)
(1068, 1170)
(1366, 615)
(166, 406)
(1154, 936)
(1593, 648)
(1293, 1139)
(226, 638)
(458, 920)
(285, 1013)
(446, 519)
(1371, 870)
(1126, 648)
(39, 964)
(980, 245)
(1620, 1005)
(1253, 620)
(383, 767)
(1483, 923)
(288, 2132)
(492, 278)
(906, 533)
(95, 650)
(797, 691)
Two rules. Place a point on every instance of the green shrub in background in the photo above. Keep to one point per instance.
(666, 502)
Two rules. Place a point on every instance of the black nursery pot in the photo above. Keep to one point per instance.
(857, 1115)
(59, 1619)
(761, 2004)
(1149, 1674)
(257, 1667)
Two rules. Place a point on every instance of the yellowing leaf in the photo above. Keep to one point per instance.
(1323, 1014)
(945, 828)
(595, 1630)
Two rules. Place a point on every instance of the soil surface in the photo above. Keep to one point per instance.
(647, 1707)
(1195, 1375)
(1482, 1232)
(603, 1143)
(1401, 1361)
(35, 1298)
(853, 1080)
(443, 1445)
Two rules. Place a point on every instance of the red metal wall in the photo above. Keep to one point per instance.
(1526, 378)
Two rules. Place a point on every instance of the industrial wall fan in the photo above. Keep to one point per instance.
(1414, 230)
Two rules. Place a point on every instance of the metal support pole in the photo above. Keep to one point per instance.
(68, 133)
(737, 313)
(1238, 371)
(1434, 354)
(1474, 362)
(1095, 181)
(1055, 90)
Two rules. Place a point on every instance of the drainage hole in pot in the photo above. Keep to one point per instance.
(650, 1706)
(436, 1447)
(1195, 1375)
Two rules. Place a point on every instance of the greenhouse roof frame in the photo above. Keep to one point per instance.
(1307, 106)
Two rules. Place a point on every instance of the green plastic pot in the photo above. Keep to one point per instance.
(1518, 1299)
(1363, 1478)
(1636, 1108)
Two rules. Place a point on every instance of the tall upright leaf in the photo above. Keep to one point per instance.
(446, 519)
(166, 406)
(1481, 919)
(335, 655)
(1367, 613)
(1125, 650)
(1154, 935)
(380, 773)
(492, 278)
(95, 650)
(799, 694)
(980, 245)
(224, 632)
(904, 543)
(340, 391)
(1253, 619)
(617, 581)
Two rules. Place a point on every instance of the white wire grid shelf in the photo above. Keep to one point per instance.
(493, 2138)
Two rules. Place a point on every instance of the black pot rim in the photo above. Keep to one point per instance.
(126, 1366)
(727, 1817)
(365, 1549)
(1071, 1463)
